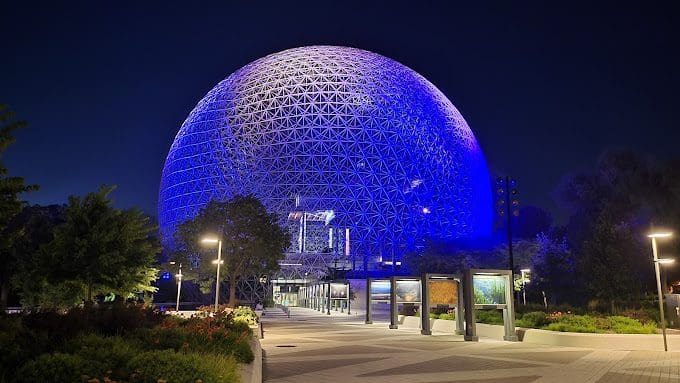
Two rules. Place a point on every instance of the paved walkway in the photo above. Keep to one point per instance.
(311, 347)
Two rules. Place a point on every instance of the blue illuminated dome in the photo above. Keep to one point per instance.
(333, 138)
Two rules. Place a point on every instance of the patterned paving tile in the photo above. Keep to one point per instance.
(639, 356)
(427, 346)
(450, 364)
(561, 357)
(615, 377)
(672, 371)
(514, 379)
(328, 344)
(278, 370)
(347, 338)
(343, 350)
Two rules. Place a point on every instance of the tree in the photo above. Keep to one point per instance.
(452, 257)
(612, 207)
(612, 264)
(553, 268)
(98, 250)
(37, 224)
(531, 221)
(524, 251)
(10, 204)
(253, 241)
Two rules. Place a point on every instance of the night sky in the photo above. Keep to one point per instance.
(546, 89)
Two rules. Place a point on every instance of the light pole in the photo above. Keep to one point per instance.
(218, 262)
(657, 261)
(524, 284)
(179, 284)
(508, 206)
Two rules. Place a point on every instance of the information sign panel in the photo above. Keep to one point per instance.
(380, 290)
(489, 289)
(443, 292)
(408, 292)
(339, 291)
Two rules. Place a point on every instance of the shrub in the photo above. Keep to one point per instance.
(448, 316)
(151, 366)
(147, 346)
(245, 314)
(534, 319)
(625, 325)
(18, 344)
(575, 323)
(57, 368)
(205, 335)
(106, 319)
(112, 353)
(529, 307)
(489, 316)
(440, 309)
(408, 309)
(566, 308)
(643, 315)
(594, 324)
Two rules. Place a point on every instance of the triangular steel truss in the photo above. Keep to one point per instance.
(351, 131)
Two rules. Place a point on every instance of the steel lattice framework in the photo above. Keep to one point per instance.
(325, 128)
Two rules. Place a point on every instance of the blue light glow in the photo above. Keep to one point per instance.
(332, 128)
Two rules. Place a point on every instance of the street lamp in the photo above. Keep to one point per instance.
(657, 261)
(524, 284)
(218, 262)
(179, 284)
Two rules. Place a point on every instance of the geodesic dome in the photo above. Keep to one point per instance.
(365, 141)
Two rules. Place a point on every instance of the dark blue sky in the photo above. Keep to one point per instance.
(545, 89)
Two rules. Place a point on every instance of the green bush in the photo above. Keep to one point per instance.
(245, 314)
(107, 319)
(644, 315)
(489, 316)
(57, 368)
(194, 335)
(171, 366)
(529, 307)
(575, 323)
(18, 344)
(447, 316)
(112, 353)
(625, 325)
(440, 309)
(566, 308)
(80, 345)
(534, 319)
(594, 324)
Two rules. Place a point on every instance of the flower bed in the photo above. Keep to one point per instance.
(568, 322)
(156, 349)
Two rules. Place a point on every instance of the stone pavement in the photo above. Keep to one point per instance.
(313, 347)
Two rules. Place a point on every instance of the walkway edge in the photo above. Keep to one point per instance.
(252, 372)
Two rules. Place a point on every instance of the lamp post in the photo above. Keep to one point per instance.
(508, 206)
(179, 284)
(657, 261)
(218, 262)
(524, 284)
